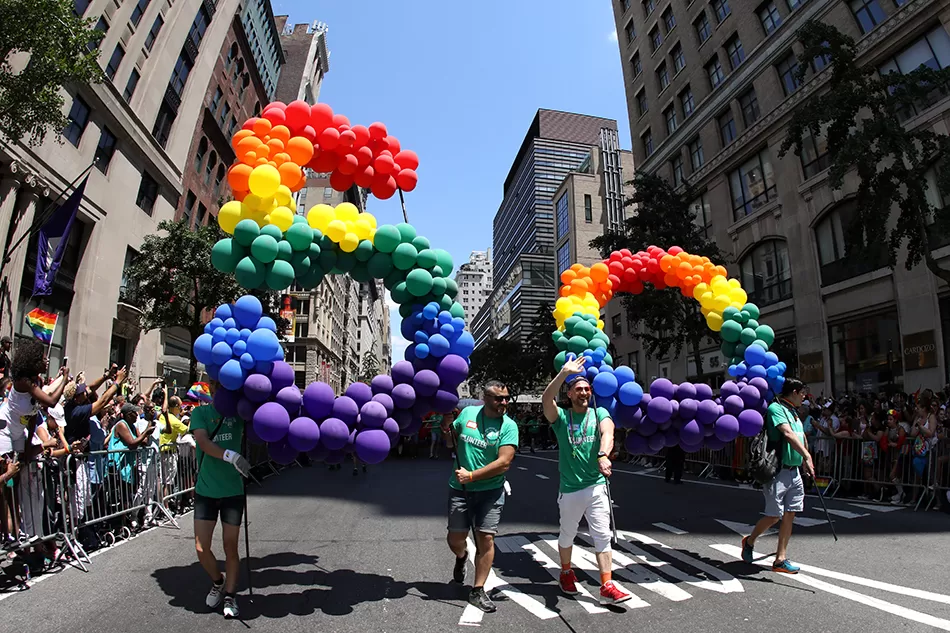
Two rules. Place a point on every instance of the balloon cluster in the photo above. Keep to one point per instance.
(238, 342)
(584, 290)
(581, 336)
(344, 225)
(436, 333)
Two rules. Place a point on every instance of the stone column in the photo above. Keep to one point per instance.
(9, 187)
(12, 276)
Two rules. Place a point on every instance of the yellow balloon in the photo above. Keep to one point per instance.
(714, 321)
(258, 216)
(738, 295)
(347, 212)
(734, 283)
(700, 289)
(349, 243)
(264, 181)
(253, 202)
(720, 303)
(282, 218)
(229, 215)
(362, 229)
(283, 196)
(268, 204)
(336, 230)
(704, 310)
(371, 218)
(600, 324)
(706, 299)
(320, 216)
(292, 205)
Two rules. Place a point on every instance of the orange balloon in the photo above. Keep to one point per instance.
(599, 272)
(239, 136)
(684, 270)
(671, 280)
(261, 127)
(281, 133)
(260, 161)
(238, 176)
(281, 158)
(300, 185)
(300, 150)
(240, 195)
(576, 267)
(721, 270)
(568, 276)
(246, 144)
(275, 146)
(290, 174)
(666, 262)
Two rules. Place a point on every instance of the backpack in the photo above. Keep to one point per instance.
(765, 456)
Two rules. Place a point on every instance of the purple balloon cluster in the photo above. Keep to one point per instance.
(688, 415)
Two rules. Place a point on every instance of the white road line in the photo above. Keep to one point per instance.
(585, 562)
(808, 522)
(743, 529)
(844, 514)
(540, 476)
(866, 582)
(726, 582)
(875, 508)
(848, 594)
(518, 543)
(670, 528)
(633, 571)
(522, 468)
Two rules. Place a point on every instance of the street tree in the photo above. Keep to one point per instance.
(369, 367)
(44, 47)
(540, 346)
(506, 361)
(862, 114)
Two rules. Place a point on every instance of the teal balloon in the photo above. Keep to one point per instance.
(752, 309)
(766, 334)
(752, 323)
(740, 350)
(405, 310)
(345, 262)
(439, 286)
(421, 243)
(317, 235)
(299, 219)
(280, 275)
(747, 335)
(731, 330)
(404, 257)
(380, 265)
(301, 263)
(561, 343)
(577, 344)
(360, 273)
(419, 282)
(400, 293)
(729, 313)
(445, 303)
(743, 317)
(437, 271)
(273, 231)
(314, 251)
(327, 244)
(451, 288)
(387, 238)
(728, 349)
(597, 344)
(457, 310)
(444, 261)
(426, 258)
(299, 235)
(559, 360)
(609, 359)
(364, 251)
(245, 232)
(312, 279)
(760, 343)
(571, 322)
(226, 254)
(407, 232)
(284, 250)
(264, 248)
(600, 334)
(394, 278)
(327, 259)
(250, 272)
(585, 330)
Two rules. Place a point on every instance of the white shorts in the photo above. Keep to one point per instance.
(592, 503)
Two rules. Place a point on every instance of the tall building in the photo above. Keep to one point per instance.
(710, 90)
(135, 130)
(523, 228)
(263, 39)
(474, 282)
(308, 60)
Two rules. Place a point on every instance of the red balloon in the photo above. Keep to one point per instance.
(383, 164)
(408, 159)
(365, 177)
(614, 281)
(377, 131)
(362, 135)
(347, 138)
(321, 117)
(365, 156)
(615, 268)
(340, 120)
(393, 144)
(324, 162)
(636, 287)
(278, 105)
(348, 165)
(298, 116)
(249, 124)
(384, 190)
(625, 252)
(407, 179)
(340, 181)
(276, 116)
(309, 133)
(329, 138)
(674, 250)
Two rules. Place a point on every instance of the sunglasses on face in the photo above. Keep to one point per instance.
(501, 398)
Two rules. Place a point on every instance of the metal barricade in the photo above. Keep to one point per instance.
(940, 458)
(823, 451)
(894, 474)
(179, 475)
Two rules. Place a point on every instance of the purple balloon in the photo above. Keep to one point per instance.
(452, 370)
(386, 400)
(392, 429)
(429, 362)
(703, 391)
(252, 434)
(707, 412)
(691, 448)
(303, 434)
(426, 383)
(444, 401)
(691, 433)
(246, 409)
(727, 428)
(282, 452)
(671, 437)
(676, 407)
(733, 405)
(282, 375)
(350, 442)
(422, 407)
(688, 408)
(335, 457)
(257, 388)
(678, 423)
(373, 414)
(404, 396)
(271, 422)
(636, 444)
(334, 433)
(360, 393)
(656, 442)
(372, 445)
(345, 409)
(661, 428)
(403, 418)
(318, 400)
(714, 443)
(645, 401)
(318, 453)
(289, 398)
(750, 396)
(647, 427)
(761, 384)
(381, 384)
(709, 430)
(659, 408)
(413, 427)
(225, 401)
(623, 415)
(750, 423)
(728, 388)
(662, 388)
(685, 390)
(402, 373)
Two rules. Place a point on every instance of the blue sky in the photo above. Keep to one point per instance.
(459, 83)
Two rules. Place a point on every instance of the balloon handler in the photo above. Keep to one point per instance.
(219, 492)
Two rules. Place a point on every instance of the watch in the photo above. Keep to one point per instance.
(601, 454)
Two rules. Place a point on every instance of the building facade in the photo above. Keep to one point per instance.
(135, 131)
(474, 281)
(710, 88)
(308, 60)
(263, 39)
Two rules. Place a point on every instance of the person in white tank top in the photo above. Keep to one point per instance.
(18, 411)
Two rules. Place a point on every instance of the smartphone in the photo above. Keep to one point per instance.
(65, 361)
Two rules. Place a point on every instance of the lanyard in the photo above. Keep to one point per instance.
(478, 422)
(572, 436)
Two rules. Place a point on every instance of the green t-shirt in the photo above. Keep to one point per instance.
(217, 478)
(479, 438)
(780, 414)
(578, 442)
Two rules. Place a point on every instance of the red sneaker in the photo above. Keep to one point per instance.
(613, 593)
(568, 582)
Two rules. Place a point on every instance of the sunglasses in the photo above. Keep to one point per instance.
(500, 398)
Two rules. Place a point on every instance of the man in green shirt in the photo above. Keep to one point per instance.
(220, 490)
(785, 495)
(485, 440)
(585, 438)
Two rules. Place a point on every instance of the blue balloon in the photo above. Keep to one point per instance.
(605, 384)
(431, 311)
(741, 369)
(266, 323)
(223, 312)
(599, 354)
(438, 345)
(422, 350)
(420, 337)
(232, 336)
(212, 371)
(463, 346)
(624, 375)
(607, 403)
(279, 354)
(458, 324)
(591, 372)
(231, 376)
(247, 311)
(407, 329)
(758, 371)
(264, 367)
(445, 317)
(229, 323)
(772, 371)
(607, 368)
(216, 323)
(771, 359)
(569, 357)
(245, 334)
(218, 334)
(732, 371)
(220, 353)
(239, 348)
(630, 393)
(447, 330)
(263, 345)
(754, 355)
(782, 367)
(202, 348)
(779, 382)
(208, 328)
(247, 361)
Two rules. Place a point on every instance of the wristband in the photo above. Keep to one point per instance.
(229, 456)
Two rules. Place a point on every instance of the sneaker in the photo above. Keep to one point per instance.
(568, 583)
(458, 574)
(748, 553)
(356, 471)
(613, 593)
(216, 595)
(479, 599)
(230, 607)
(785, 567)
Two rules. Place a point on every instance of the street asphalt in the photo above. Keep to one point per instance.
(335, 552)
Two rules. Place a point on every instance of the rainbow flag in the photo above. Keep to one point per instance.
(42, 323)
(199, 392)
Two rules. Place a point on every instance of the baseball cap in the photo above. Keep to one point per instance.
(127, 408)
(6, 339)
(573, 380)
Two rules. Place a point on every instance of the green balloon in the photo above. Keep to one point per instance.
(457, 310)
(736, 360)
(404, 257)
(312, 279)
(597, 344)
(246, 232)
(445, 303)
(752, 323)
(317, 235)
(250, 273)
(740, 350)
(345, 262)
(438, 287)
(380, 265)
(314, 251)
(437, 271)
(752, 309)
(364, 251)
(609, 359)
(226, 254)
(571, 322)
(585, 329)
(600, 334)
(299, 236)
(766, 334)
(387, 238)
(419, 282)
(426, 258)
(273, 231)
(747, 335)
(394, 278)
(280, 275)
(301, 263)
(327, 259)
(444, 261)
(407, 232)
(728, 349)
(421, 243)
(561, 343)
(405, 310)
(743, 317)
(730, 331)
(451, 288)
(559, 361)
(401, 294)
(299, 219)
(729, 313)
(359, 272)
(760, 343)
(284, 250)
(264, 249)
(577, 344)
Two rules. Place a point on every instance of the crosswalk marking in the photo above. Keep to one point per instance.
(844, 514)
(722, 582)
(876, 508)
(670, 528)
(804, 521)
(522, 468)
(540, 476)
(743, 529)
(633, 571)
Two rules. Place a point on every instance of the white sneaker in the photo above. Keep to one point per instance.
(215, 596)
(230, 607)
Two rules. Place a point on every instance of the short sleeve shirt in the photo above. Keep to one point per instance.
(578, 442)
(217, 478)
(167, 440)
(77, 422)
(479, 438)
(780, 414)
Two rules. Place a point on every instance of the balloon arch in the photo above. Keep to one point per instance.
(271, 246)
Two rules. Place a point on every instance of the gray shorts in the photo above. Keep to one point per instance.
(786, 493)
(481, 509)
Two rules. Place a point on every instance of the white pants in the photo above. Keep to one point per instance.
(592, 503)
(82, 495)
(32, 499)
(148, 481)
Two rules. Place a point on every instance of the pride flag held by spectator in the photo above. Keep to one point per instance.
(42, 323)
(199, 392)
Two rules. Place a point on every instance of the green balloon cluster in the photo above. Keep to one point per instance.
(740, 329)
(580, 333)
(413, 271)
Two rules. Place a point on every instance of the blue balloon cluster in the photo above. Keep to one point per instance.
(760, 363)
(237, 342)
(435, 333)
(610, 385)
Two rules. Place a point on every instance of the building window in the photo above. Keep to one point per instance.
(180, 75)
(669, 115)
(302, 330)
(78, 119)
(562, 215)
(635, 65)
(677, 166)
(866, 355)
(232, 125)
(148, 193)
(113, 67)
(679, 60)
(630, 31)
(225, 113)
(656, 38)
(209, 167)
(103, 27)
(202, 212)
(663, 76)
(153, 32)
(766, 275)
(131, 85)
(933, 51)
(794, 4)
(696, 158)
(625, 4)
(815, 157)
(735, 52)
(563, 258)
(714, 70)
(788, 73)
(216, 100)
(721, 7)
(703, 29)
(749, 105)
(190, 200)
(80, 6)
(138, 12)
(770, 17)
(686, 100)
(648, 7)
(232, 53)
(835, 257)
(200, 154)
(163, 124)
(199, 26)
(727, 127)
(588, 208)
(647, 139)
(642, 105)
(701, 214)
(669, 20)
(752, 185)
(868, 13)
(105, 150)
(218, 179)
(820, 62)
(616, 325)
